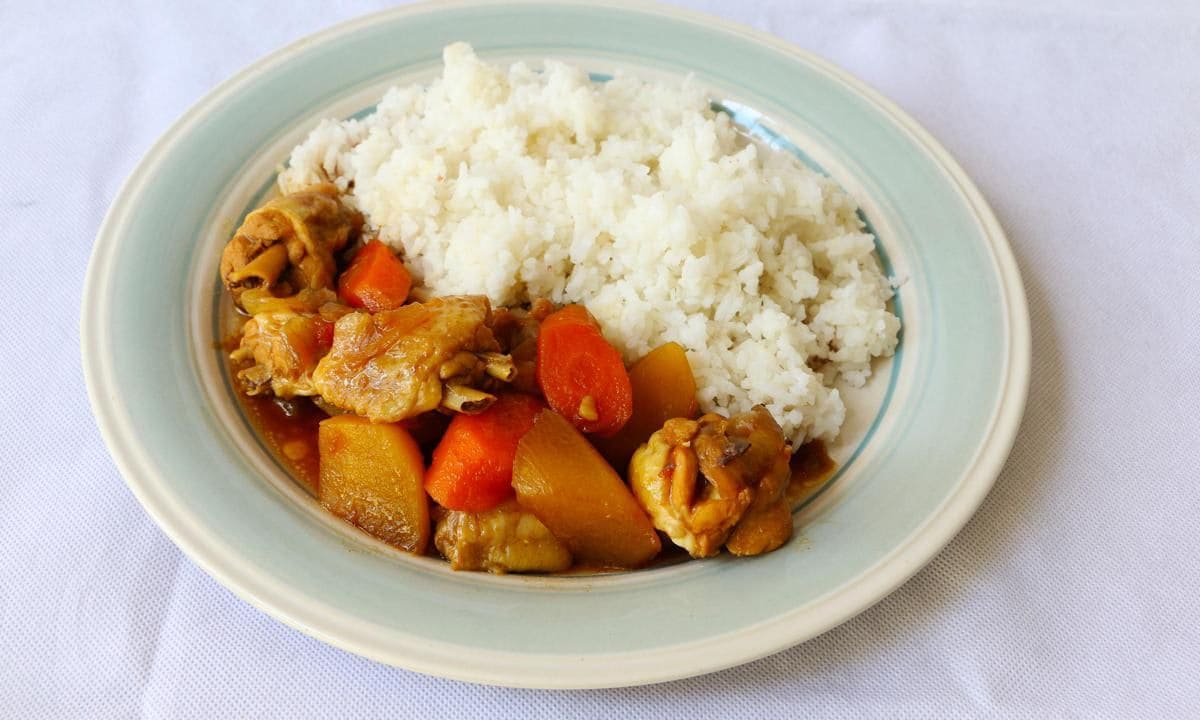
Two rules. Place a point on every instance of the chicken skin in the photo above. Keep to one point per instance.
(717, 480)
(397, 364)
(288, 245)
(502, 540)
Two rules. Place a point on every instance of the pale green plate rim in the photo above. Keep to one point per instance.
(563, 668)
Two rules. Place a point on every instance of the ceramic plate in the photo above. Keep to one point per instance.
(923, 443)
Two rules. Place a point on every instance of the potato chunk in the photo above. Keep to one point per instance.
(663, 388)
(564, 481)
(371, 477)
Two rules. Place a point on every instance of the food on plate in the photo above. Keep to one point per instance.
(563, 480)
(472, 467)
(397, 364)
(581, 374)
(503, 539)
(551, 324)
(376, 280)
(288, 244)
(635, 199)
(280, 349)
(517, 330)
(371, 475)
(701, 480)
(663, 388)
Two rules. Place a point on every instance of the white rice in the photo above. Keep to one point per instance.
(635, 199)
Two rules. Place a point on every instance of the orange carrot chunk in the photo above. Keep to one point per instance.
(472, 466)
(581, 375)
(376, 280)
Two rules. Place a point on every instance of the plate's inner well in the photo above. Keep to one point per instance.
(866, 405)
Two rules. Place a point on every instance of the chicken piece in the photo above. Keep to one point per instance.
(505, 539)
(284, 348)
(761, 529)
(289, 243)
(284, 341)
(516, 330)
(767, 523)
(397, 364)
(698, 478)
(306, 302)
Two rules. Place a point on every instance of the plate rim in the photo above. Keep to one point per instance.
(533, 670)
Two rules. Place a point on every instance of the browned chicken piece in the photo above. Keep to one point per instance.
(767, 523)
(503, 540)
(516, 330)
(700, 479)
(283, 349)
(284, 341)
(397, 364)
(289, 243)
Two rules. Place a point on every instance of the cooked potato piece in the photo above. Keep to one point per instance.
(663, 388)
(564, 481)
(371, 477)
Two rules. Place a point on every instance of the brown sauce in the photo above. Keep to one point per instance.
(811, 469)
(289, 429)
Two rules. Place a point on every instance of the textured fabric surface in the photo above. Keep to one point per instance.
(1075, 591)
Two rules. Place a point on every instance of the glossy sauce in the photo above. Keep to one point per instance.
(289, 429)
(811, 469)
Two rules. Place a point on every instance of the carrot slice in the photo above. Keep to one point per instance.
(581, 375)
(472, 465)
(376, 280)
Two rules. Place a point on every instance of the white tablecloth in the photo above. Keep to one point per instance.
(1073, 592)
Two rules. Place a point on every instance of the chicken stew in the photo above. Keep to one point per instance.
(509, 439)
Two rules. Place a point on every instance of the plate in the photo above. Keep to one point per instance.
(924, 442)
